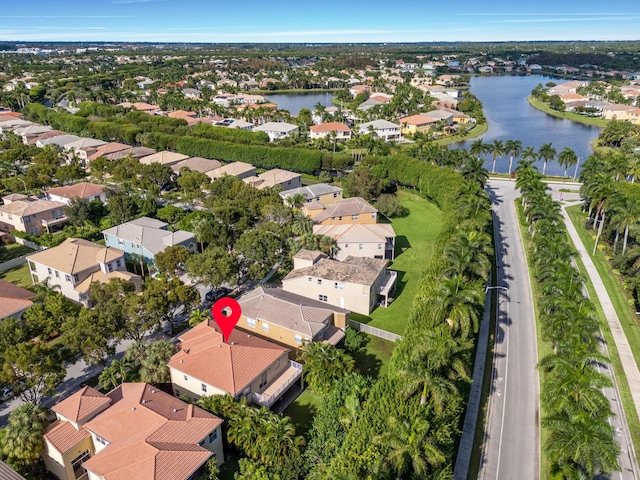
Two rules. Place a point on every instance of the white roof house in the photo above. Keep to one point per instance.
(277, 130)
(381, 129)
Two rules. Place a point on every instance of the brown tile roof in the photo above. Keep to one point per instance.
(358, 270)
(356, 232)
(45, 135)
(63, 436)
(330, 127)
(163, 158)
(228, 366)
(311, 255)
(135, 152)
(75, 255)
(234, 169)
(197, 164)
(81, 190)
(102, 150)
(7, 473)
(345, 207)
(151, 434)
(13, 299)
(288, 310)
(83, 404)
(276, 176)
(24, 208)
(105, 278)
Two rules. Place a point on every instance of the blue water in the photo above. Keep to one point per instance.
(510, 116)
(293, 102)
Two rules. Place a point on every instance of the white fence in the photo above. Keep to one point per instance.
(376, 332)
(14, 262)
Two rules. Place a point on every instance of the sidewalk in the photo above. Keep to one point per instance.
(624, 350)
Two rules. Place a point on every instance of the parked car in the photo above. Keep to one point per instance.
(216, 294)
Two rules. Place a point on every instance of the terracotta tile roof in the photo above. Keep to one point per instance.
(151, 434)
(163, 158)
(357, 270)
(135, 152)
(311, 255)
(345, 207)
(13, 299)
(63, 436)
(102, 150)
(330, 127)
(83, 404)
(81, 190)
(417, 120)
(227, 366)
(75, 255)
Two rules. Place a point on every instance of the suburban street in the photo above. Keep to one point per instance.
(511, 446)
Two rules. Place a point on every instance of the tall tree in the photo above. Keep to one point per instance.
(497, 150)
(22, 442)
(567, 158)
(546, 152)
(513, 148)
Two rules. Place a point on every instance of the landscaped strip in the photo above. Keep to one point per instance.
(574, 117)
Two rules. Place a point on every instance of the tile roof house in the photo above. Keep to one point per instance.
(73, 261)
(275, 177)
(7, 473)
(343, 211)
(163, 158)
(147, 237)
(43, 136)
(88, 191)
(375, 240)
(356, 284)
(31, 215)
(247, 366)
(235, 169)
(196, 164)
(416, 124)
(135, 432)
(322, 193)
(382, 129)
(14, 300)
(277, 130)
(291, 319)
(102, 150)
(58, 140)
(323, 130)
(134, 152)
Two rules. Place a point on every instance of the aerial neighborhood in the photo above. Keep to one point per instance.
(142, 183)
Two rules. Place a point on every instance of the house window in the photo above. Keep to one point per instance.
(354, 217)
(101, 440)
(109, 267)
(373, 215)
(265, 327)
(339, 285)
(319, 281)
(204, 388)
(57, 274)
(379, 246)
(49, 270)
(335, 195)
(76, 464)
(201, 442)
(121, 242)
(361, 246)
(186, 379)
(76, 278)
(346, 245)
(213, 436)
(340, 219)
(119, 263)
(67, 278)
(251, 322)
(322, 298)
(310, 279)
(297, 338)
(263, 379)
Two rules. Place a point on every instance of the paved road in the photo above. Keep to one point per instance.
(511, 447)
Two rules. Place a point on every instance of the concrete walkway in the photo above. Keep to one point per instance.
(629, 365)
(628, 459)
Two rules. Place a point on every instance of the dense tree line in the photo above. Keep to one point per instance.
(580, 440)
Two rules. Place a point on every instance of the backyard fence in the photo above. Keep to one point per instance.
(376, 332)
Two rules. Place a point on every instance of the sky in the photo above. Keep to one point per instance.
(328, 21)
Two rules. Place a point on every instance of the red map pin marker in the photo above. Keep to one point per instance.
(226, 322)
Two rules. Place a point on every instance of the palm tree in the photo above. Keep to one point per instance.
(23, 442)
(458, 302)
(474, 171)
(434, 367)
(567, 158)
(546, 152)
(197, 316)
(153, 367)
(301, 225)
(410, 448)
(497, 150)
(324, 365)
(626, 213)
(115, 374)
(529, 156)
(513, 148)
(478, 148)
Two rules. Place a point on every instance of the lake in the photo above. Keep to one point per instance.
(293, 102)
(510, 117)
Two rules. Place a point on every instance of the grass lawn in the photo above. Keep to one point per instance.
(13, 250)
(574, 117)
(303, 410)
(416, 235)
(476, 131)
(19, 275)
(374, 358)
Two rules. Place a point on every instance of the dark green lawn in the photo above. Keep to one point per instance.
(13, 250)
(416, 235)
(19, 275)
